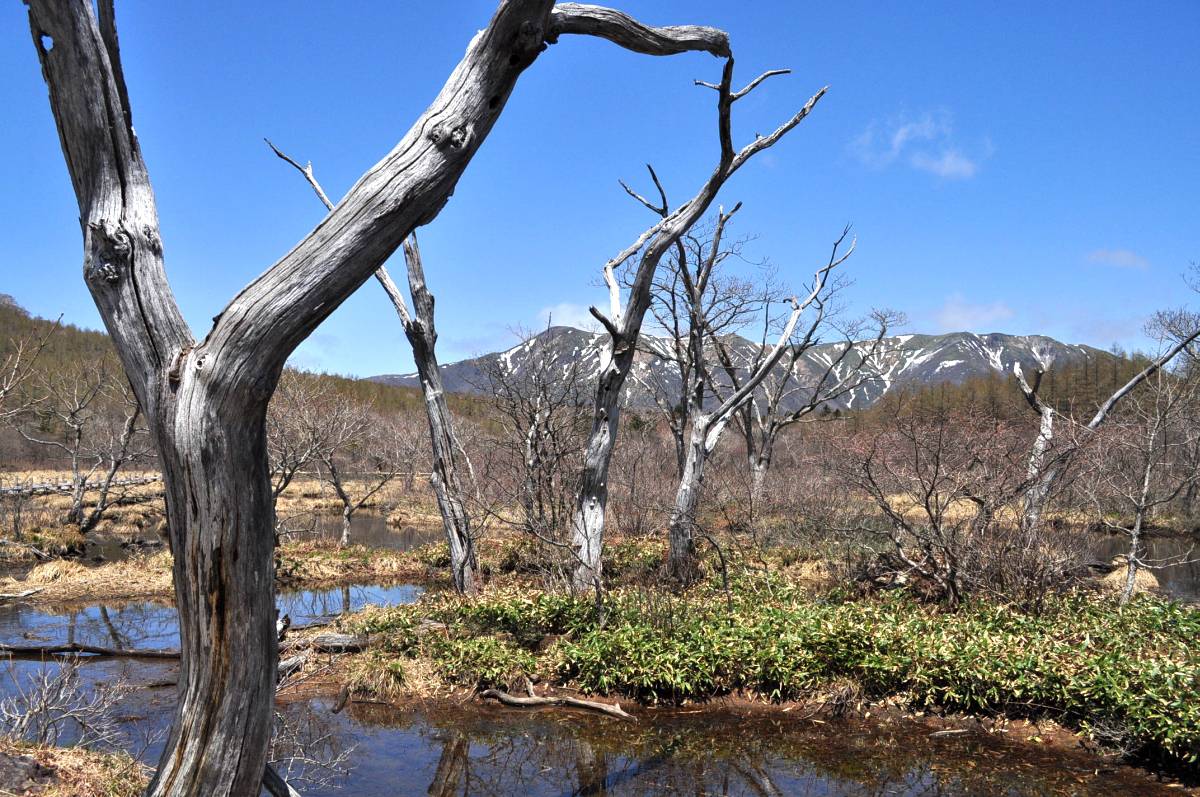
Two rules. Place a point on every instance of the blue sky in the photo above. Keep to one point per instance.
(1025, 168)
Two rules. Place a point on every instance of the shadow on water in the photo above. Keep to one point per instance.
(488, 752)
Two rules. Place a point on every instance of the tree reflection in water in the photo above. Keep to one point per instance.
(476, 752)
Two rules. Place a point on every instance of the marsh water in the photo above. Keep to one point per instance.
(371, 750)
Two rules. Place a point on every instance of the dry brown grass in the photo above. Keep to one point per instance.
(67, 580)
(310, 565)
(324, 564)
(1114, 583)
(83, 773)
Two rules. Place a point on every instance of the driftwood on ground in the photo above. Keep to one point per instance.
(65, 488)
(329, 643)
(534, 701)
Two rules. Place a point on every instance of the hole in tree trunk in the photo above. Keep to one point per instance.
(46, 41)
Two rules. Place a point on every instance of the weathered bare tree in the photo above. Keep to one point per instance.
(448, 453)
(90, 417)
(801, 384)
(624, 323)
(706, 427)
(539, 408)
(206, 400)
(1142, 466)
(1045, 470)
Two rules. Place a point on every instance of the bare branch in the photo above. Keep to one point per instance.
(761, 143)
(1149, 370)
(623, 30)
(307, 171)
(753, 84)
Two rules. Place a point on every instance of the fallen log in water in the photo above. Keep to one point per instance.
(533, 701)
(329, 643)
(77, 649)
(16, 596)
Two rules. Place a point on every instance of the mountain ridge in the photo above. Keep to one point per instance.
(906, 361)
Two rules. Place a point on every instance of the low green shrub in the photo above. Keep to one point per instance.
(1126, 675)
(481, 662)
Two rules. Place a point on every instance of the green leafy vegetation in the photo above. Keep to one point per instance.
(1126, 676)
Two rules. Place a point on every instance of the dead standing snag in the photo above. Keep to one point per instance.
(446, 449)
(624, 322)
(205, 400)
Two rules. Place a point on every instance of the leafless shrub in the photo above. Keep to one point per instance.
(942, 489)
(639, 484)
(89, 416)
(306, 750)
(50, 705)
(531, 474)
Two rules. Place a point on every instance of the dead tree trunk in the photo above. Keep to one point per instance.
(422, 337)
(447, 451)
(682, 561)
(206, 400)
(682, 558)
(624, 324)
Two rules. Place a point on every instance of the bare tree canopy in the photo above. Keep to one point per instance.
(623, 321)
(205, 400)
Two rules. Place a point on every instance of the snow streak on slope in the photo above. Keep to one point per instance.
(906, 361)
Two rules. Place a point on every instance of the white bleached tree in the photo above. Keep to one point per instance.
(623, 321)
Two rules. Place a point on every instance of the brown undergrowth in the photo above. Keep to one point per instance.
(303, 565)
(77, 772)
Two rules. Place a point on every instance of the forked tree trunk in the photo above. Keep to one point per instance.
(206, 401)
(624, 324)
(1040, 478)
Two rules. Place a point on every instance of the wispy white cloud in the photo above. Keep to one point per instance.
(926, 143)
(566, 314)
(951, 164)
(1119, 258)
(960, 315)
